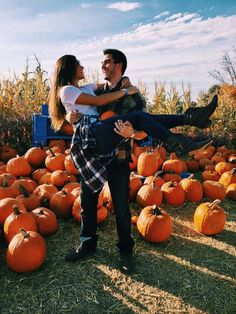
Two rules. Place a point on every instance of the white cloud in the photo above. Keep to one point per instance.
(183, 47)
(124, 6)
(86, 5)
(165, 13)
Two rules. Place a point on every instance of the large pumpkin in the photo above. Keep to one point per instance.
(228, 177)
(26, 251)
(61, 203)
(154, 224)
(19, 166)
(209, 218)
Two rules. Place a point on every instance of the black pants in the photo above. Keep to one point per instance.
(118, 179)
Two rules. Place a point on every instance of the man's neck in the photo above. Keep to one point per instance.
(112, 83)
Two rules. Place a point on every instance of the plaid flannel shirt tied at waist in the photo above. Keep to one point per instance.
(91, 166)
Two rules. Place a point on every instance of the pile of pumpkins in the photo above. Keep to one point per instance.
(38, 188)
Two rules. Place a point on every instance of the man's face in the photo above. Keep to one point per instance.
(109, 68)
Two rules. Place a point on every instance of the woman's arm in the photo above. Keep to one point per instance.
(101, 100)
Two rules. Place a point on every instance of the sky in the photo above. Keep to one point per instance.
(170, 41)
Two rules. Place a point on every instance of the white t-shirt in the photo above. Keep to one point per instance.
(69, 94)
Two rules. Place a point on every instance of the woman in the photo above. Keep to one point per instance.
(96, 142)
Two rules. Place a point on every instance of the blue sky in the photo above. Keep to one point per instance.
(164, 40)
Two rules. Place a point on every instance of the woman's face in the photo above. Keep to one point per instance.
(79, 73)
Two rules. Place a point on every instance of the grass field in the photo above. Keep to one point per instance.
(191, 273)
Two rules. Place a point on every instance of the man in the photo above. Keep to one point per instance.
(113, 67)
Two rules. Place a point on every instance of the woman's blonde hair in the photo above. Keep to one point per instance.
(64, 74)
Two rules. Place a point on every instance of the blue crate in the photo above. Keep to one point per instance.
(42, 131)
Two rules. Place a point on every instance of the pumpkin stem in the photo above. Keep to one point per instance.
(190, 177)
(16, 210)
(41, 212)
(24, 233)
(158, 173)
(156, 210)
(214, 203)
(5, 184)
(25, 193)
(233, 171)
(51, 151)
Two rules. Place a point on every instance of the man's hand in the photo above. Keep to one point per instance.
(125, 82)
(124, 129)
(73, 116)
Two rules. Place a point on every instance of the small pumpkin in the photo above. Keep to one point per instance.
(17, 220)
(148, 163)
(213, 190)
(61, 204)
(173, 193)
(149, 194)
(46, 221)
(192, 188)
(231, 191)
(154, 224)
(228, 177)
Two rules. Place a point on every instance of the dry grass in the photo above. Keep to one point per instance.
(191, 273)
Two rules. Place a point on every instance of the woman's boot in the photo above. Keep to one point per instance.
(199, 116)
(181, 144)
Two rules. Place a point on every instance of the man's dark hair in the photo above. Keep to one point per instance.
(118, 57)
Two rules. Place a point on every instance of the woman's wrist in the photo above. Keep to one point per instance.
(133, 135)
(125, 90)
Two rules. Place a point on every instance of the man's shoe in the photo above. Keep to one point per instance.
(199, 116)
(127, 263)
(85, 248)
(181, 144)
(79, 253)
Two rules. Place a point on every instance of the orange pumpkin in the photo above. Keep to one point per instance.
(209, 218)
(17, 220)
(59, 178)
(213, 190)
(223, 166)
(26, 251)
(228, 177)
(135, 184)
(61, 204)
(174, 165)
(159, 181)
(192, 188)
(55, 161)
(35, 156)
(154, 224)
(149, 194)
(231, 191)
(69, 166)
(18, 166)
(6, 208)
(46, 221)
(148, 163)
(173, 193)
(106, 115)
(210, 175)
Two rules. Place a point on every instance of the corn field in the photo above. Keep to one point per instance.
(22, 96)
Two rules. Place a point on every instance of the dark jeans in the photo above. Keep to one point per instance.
(155, 125)
(118, 179)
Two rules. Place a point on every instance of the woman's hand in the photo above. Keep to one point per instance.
(73, 116)
(124, 129)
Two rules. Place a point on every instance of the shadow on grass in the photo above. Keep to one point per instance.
(198, 288)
